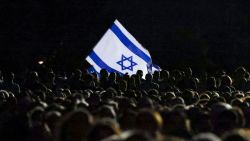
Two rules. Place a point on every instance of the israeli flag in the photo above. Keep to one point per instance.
(119, 51)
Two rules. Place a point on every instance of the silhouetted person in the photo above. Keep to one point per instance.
(112, 80)
(187, 82)
(148, 83)
(8, 83)
(76, 82)
(211, 84)
(156, 77)
(33, 82)
(164, 83)
(104, 80)
(50, 81)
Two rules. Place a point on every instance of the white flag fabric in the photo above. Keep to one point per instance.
(119, 51)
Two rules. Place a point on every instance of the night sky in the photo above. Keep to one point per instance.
(198, 33)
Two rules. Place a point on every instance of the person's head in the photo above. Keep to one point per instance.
(235, 135)
(89, 77)
(169, 95)
(190, 97)
(127, 120)
(104, 73)
(177, 75)
(145, 102)
(211, 83)
(204, 96)
(125, 103)
(149, 121)
(107, 95)
(51, 118)
(165, 74)
(112, 76)
(226, 80)
(236, 102)
(240, 72)
(139, 73)
(36, 115)
(103, 129)
(200, 120)
(77, 74)
(177, 101)
(156, 75)
(188, 72)
(225, 121)
(123, 85)
(94, 100)
(206, 137)
(74, 126)
(3, 96)
(176, 123)
(106, 111)
(241, 120)
(51, 76)
(149, 77)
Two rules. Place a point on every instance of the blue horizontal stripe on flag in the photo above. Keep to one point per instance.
(132, 47)
(100, 63)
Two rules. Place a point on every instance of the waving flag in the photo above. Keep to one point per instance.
(119, 51)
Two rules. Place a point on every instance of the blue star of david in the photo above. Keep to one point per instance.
(130, 59)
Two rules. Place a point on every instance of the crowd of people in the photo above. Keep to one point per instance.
(168, 105)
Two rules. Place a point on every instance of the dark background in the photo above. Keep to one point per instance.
(202, 34)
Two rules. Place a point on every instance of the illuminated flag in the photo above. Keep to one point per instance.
(119, 51)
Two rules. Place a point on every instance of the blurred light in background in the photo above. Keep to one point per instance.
(40, 62)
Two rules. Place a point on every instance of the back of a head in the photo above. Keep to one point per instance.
(211, 82)
(149, 77)
(102, 130)
(206, 137)
(104, 73)
(145, 102)
(176, 123)
(139, 73)
(78, 73)
(164, 74)
(225, 121)
(226, 80)
(240, 72)
(188, 72)
(106, 111)
(112, 76)
(189, 96)
(235, 135)
(149, 121)
(156, 75)
(74, 126)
